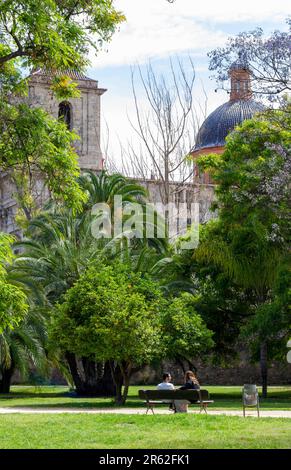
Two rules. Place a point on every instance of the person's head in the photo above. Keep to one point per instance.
(191, 377)
(167, 377)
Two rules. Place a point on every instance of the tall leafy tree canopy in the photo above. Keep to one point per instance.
(250, 240)
(55, 35)
(253, 177)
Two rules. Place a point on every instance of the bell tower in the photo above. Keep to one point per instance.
(80, 114)
(240, 80)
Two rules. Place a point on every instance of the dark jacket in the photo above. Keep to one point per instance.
(190, 386)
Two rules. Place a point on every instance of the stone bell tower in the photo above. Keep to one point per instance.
(80, 114)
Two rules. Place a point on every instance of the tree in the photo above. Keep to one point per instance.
(121, 316)
(268, 59)
(104, 187)
(23, 347)
(59, 244)
(34, 145)
(111, 314)
(54, 33)
(272, 319)
(185, 335)
(58, 248)
(13, 300)
(220, 302)
(250, 239)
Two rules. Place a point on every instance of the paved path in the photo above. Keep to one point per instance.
(140, 411)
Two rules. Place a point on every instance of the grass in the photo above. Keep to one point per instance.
(279, 398)
(112, 431)
(81, 431)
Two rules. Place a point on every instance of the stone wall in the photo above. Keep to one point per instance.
(236, 374)
(181, 193)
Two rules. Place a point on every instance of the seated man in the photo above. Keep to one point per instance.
(166, 383)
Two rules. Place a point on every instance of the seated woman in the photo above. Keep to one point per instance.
(191, 381)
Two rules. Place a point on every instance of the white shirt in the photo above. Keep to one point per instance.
(165, 386)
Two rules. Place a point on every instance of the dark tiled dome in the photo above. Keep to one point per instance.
(216, 127)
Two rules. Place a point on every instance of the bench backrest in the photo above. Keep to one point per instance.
(193, 395)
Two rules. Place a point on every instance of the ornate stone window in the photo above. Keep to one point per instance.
(65, 113)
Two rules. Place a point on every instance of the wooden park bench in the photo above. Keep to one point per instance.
(167, 397)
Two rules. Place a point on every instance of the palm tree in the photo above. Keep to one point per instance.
(59, 244)
(103, 187)
(23, 347)
(59, 247)
(59, 250)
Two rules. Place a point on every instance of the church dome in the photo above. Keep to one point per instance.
(223, 120)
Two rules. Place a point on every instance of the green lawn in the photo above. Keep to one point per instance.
(141, 431)
(59, 397)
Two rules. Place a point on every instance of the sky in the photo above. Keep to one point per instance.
(156, 30)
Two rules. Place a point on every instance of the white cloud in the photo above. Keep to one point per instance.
(155, 28)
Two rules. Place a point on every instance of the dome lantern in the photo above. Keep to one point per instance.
(241, 106)
(240, 80)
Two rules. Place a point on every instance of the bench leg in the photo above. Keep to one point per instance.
(203, 407)
(150, 407)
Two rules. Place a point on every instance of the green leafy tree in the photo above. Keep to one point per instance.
(112, 314)
(250, 239)
(272, 319)
(13, 300)
(185, 334)
(32, 144)
(118, 315)
(104, 187)
(220, 302)
(57, 249)
(54, 33)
